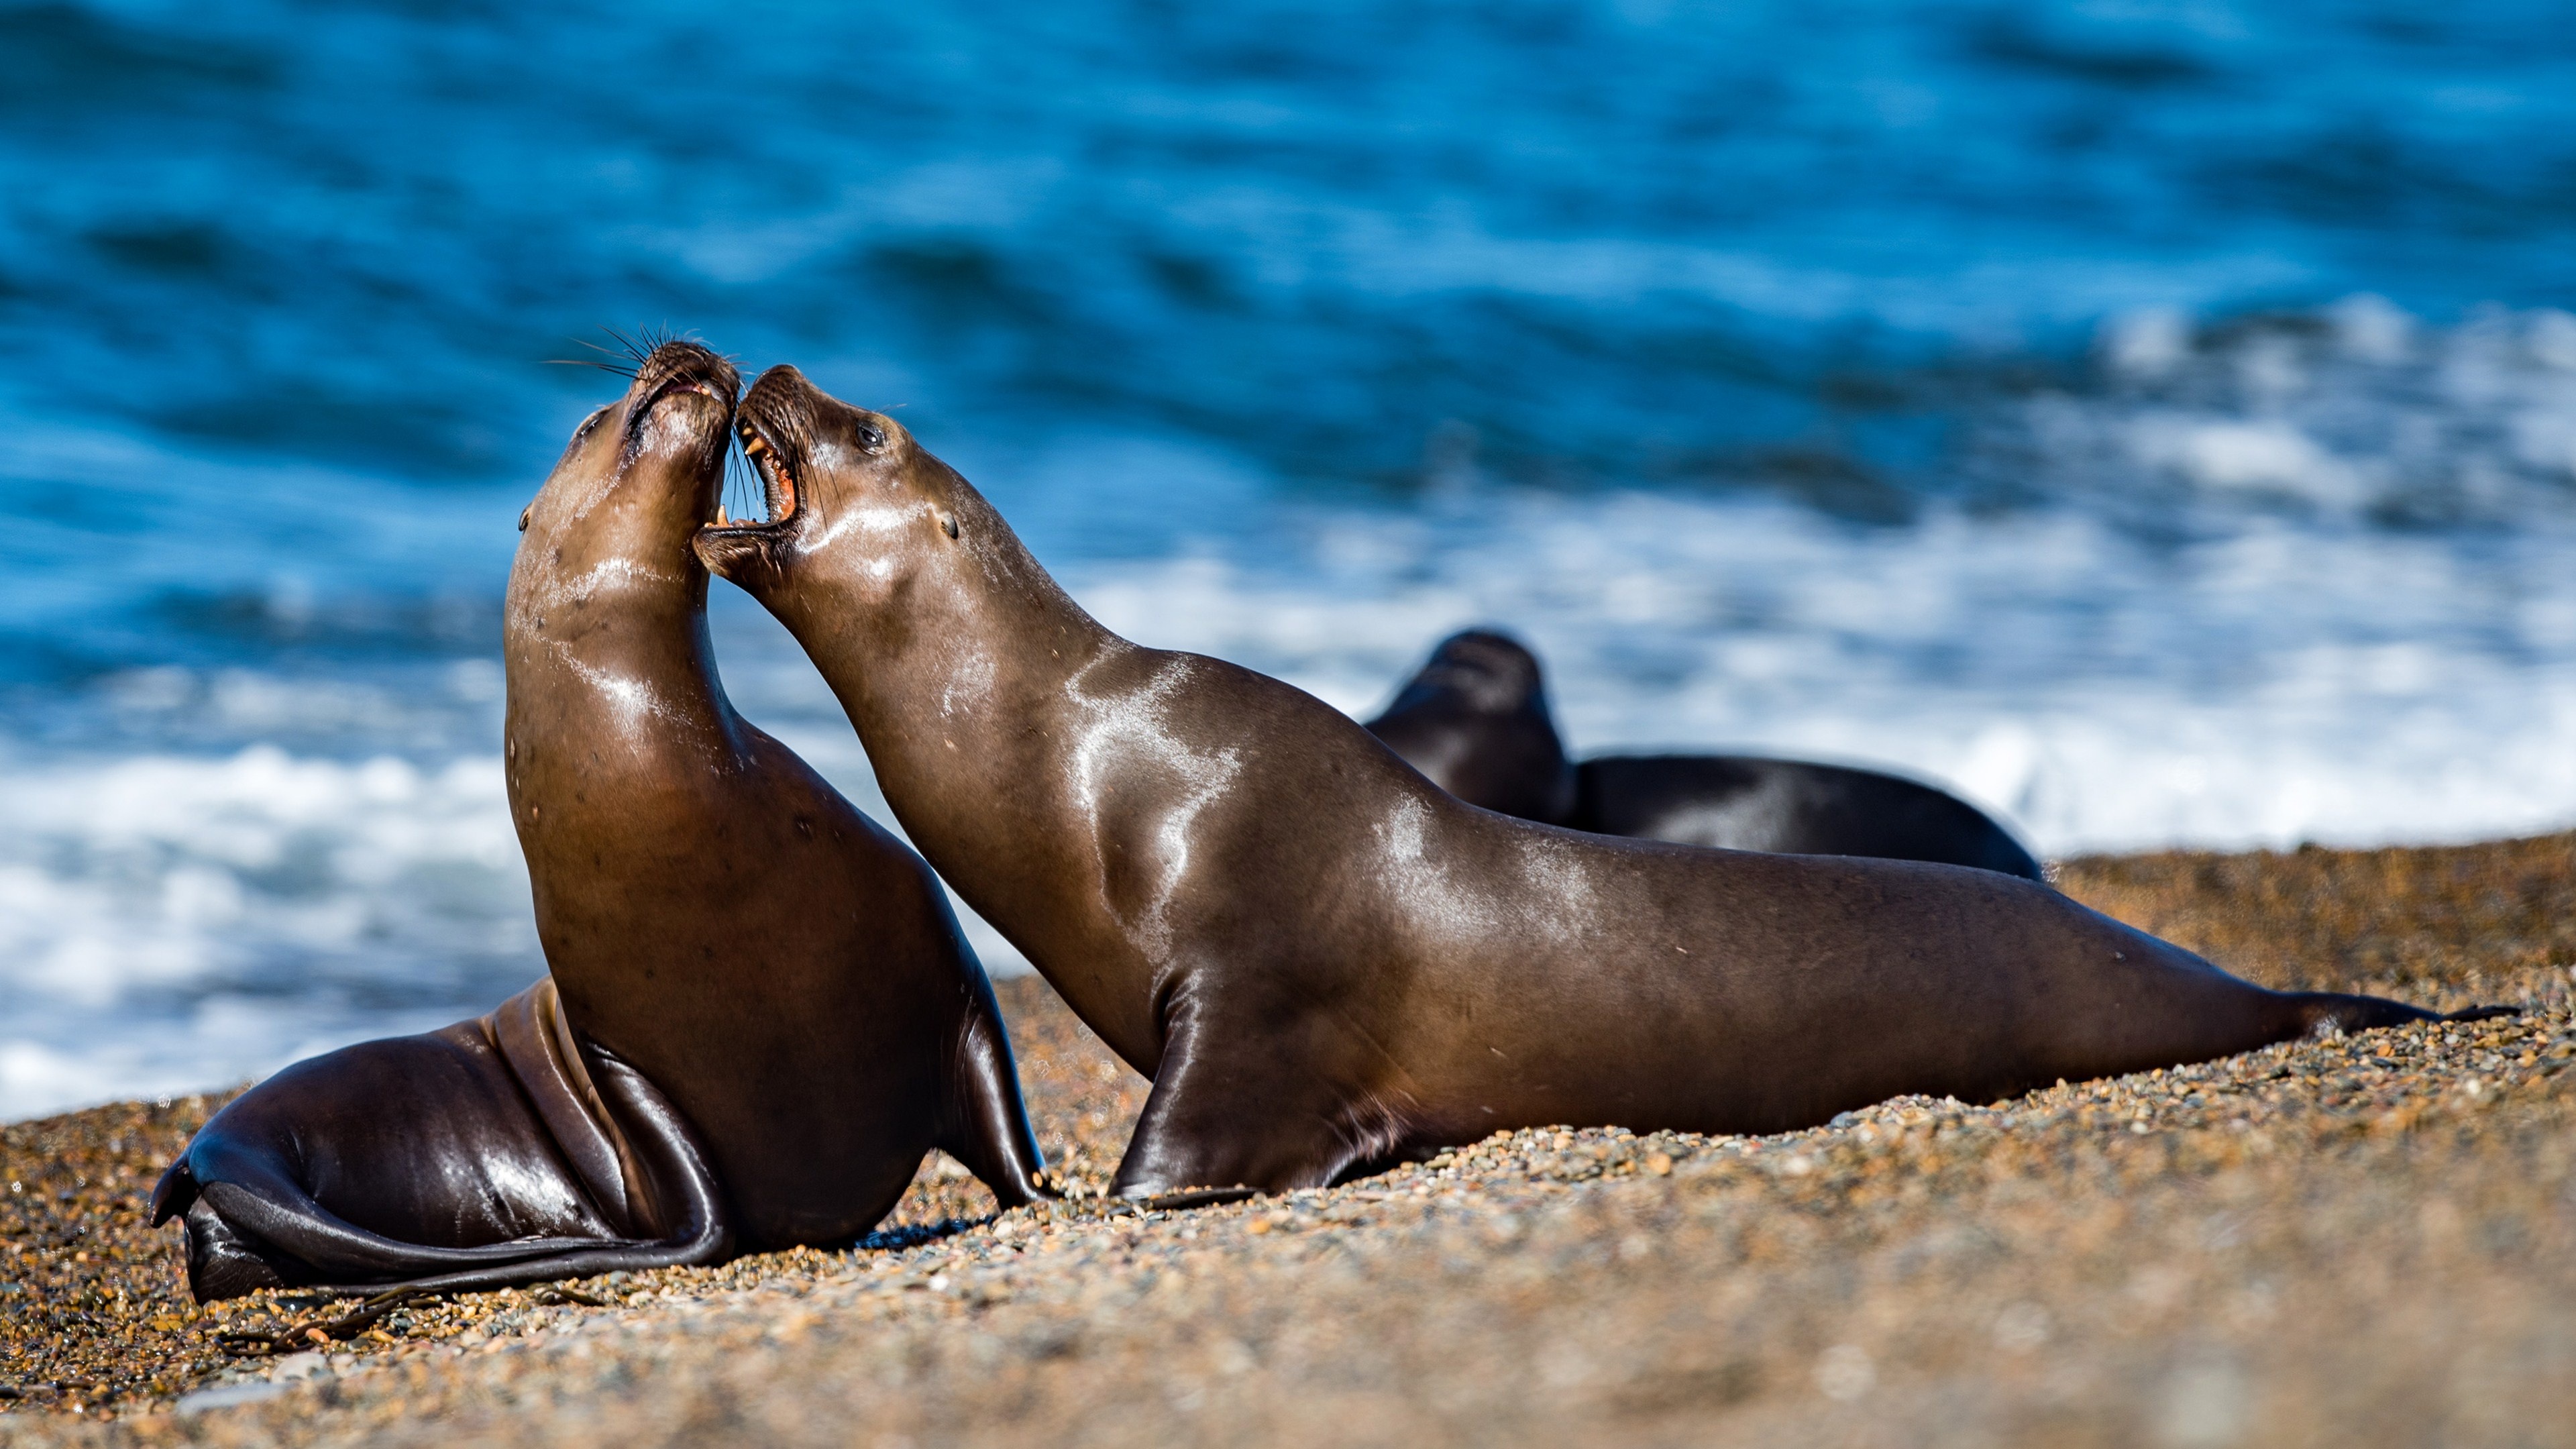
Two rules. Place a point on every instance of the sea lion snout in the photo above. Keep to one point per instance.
(685, 363)
(824, 466)
(654, 458)
(774, 425)
(681, 404)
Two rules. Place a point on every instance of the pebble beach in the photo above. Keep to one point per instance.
(2368, 1239)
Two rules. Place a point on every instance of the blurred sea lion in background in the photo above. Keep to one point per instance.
(1475, 720)
(759, 1016)
(1326, 963)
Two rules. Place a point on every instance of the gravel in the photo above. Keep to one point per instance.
(2366, 1239)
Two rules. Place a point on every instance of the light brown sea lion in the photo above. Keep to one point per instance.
(1474, 720)
(767, 988)
(1325, 962)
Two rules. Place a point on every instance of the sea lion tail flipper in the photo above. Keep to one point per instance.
(986, 1125)
(683, 1197)
(2332, 1012)
(2483, 1013)
(176, 1190)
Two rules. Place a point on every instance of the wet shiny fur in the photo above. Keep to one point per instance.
(1475, 721)
(490, 1152)
(1324, 961)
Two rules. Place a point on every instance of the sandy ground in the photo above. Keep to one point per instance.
(2366, 1240)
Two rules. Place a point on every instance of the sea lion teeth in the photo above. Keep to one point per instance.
(1327, 964)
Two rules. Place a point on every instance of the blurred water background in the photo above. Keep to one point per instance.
(2155, 419)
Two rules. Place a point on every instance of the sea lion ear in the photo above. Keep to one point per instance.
(523, 516)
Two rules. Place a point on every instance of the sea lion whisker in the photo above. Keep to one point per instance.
(631, 347)
(619, 368)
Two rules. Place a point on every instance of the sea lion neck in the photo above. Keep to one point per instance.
(981, 642)
(605, 618)
(970, 660)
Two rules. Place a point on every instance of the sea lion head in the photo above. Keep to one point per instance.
(641, 473)
(1475, 721)
(854, 502)
(1476, 671)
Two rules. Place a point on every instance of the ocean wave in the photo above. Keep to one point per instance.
(2281, 683)
(195, 920)
(172, 922)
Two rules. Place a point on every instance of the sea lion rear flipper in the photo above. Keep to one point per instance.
(176, 1190)
(987, 1125)
(2335, 1012)
(680, 1189)
(250, 1226)
(419, 1162)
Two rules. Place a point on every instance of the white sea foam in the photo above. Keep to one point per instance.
(169, 923)
(2300, 577)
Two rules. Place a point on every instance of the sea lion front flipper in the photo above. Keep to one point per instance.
(1252, 1113)
(986, 1125)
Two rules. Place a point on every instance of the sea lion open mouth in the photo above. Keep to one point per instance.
(766, 426)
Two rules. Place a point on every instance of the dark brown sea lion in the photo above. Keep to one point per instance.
(1327, 963)
(768, 989)
(491, 1152)
(1475, 720)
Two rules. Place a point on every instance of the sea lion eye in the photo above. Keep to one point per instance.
(872, 436)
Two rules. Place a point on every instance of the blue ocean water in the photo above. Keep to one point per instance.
(2157, 419)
